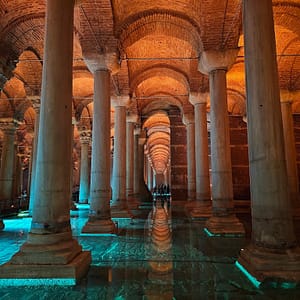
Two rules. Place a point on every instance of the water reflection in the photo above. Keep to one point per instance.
(159, 283)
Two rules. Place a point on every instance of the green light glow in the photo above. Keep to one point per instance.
(252, 279)
(210, 234)
(37, 281)
(98, 234)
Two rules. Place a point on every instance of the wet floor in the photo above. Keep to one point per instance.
(161, 254)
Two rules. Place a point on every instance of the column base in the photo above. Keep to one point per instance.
(224, 226)
(84, 201)
(48, 274)
(271, 267)
(100, 226)
(46, 258)
(1, 224)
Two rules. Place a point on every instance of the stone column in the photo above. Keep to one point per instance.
(119, 203)
(223, 221)
(84, 187)
(137, 132)
(130, 122)
(36, 105)
(272, 255)
(50, 253)
(150, 176)
(189, 122)
(72, 165)
(290, 154)
(144, 194)
(100, 191)
(202, 206)
(8, 126)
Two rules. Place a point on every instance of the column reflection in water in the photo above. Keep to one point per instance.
(159, 283)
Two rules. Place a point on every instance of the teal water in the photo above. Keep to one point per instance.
(166, 258)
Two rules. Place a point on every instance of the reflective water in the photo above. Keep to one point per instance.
(159, 255)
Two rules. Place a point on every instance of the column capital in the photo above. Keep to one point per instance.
(35, 101)
(85, 136)
(286, 96)
(108, 61)
(198, 98)
(9, 124)
(217, 60)
(137, 131)
(123, 100)
(188, 118)
(132, 118)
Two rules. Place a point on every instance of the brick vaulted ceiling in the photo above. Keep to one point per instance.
(158, 44)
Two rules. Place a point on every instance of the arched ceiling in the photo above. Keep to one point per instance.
(158, 44)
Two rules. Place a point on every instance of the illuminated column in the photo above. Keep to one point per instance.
(150, 176)
(290, 153)
(137, 132)
(202, 206)
(51, 253)
(272, 254)
(84, 188)
(36, 105)
(119, 203)
(72, 165)
(189, 122)
(143, 193)
(224, 220)
(130, 122)
(100, 191)
(8, 126)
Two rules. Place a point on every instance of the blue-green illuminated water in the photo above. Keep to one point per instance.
(187, 264)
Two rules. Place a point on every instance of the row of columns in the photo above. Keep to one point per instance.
(50, 242)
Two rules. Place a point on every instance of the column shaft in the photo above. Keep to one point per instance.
(84, 188)
(201, 155)
(290, 154)
(269, 189)
(100, 191)
(129, 158)
(119, 159)
(221, 174)
(7, 166)
(50, 244)
(191, 166)
(272, 254)
(136, 163)
(33, 158)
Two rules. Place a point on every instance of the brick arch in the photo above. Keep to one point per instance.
(287, 15)
(160, 22)
(161, 69)
(236, 102)
(23, 32)
(289, 67)
(158, 105)
(29, 71)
